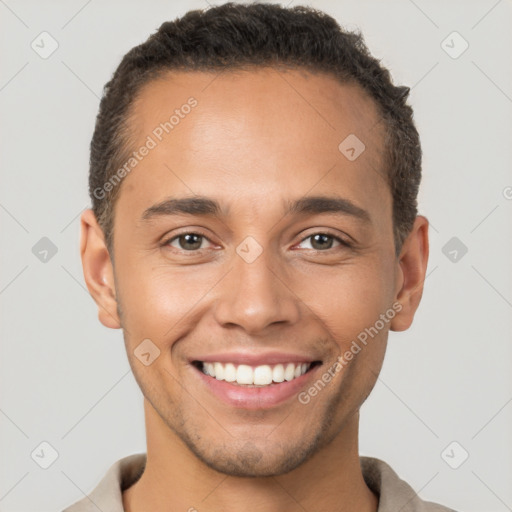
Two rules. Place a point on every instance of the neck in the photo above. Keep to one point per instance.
(175, 479)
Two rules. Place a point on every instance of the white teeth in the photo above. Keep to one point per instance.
(229, 372)
(262, 375)
(244, 374)
(278, 373)
(289, 371)
(219, 371)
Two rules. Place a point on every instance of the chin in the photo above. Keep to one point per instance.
(247, 459)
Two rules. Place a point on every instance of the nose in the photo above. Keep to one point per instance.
(256, 295)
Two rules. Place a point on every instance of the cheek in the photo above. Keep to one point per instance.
(347, 299)
(157, 300)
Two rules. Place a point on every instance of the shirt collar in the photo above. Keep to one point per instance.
(393, 493)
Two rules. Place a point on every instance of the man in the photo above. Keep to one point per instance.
(254, 232)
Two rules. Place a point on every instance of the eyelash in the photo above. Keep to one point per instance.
(342, 242)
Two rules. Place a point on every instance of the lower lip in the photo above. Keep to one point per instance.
(257, 397)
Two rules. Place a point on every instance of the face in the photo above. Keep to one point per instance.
(279, 265)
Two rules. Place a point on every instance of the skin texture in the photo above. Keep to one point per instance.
(297, 296)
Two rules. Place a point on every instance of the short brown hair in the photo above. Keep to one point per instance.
(234, 36)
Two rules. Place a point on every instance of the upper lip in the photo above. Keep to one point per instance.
(255, 359)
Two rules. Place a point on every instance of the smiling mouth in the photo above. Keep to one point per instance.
(254, 376)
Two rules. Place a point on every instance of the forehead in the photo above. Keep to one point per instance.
(263, 96)
(253, 135)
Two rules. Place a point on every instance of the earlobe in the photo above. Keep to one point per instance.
(412, 263)
(98, 270)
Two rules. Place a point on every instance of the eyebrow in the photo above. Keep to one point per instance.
(205, 206)
(327, 204)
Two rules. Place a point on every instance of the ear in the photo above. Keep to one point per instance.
(98, 269)
(412, 266)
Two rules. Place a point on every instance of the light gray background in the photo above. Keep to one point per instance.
(65, 379)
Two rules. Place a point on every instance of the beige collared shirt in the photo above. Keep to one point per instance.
(395, 495)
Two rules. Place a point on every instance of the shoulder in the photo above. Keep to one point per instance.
(394, 493)
(107, 495)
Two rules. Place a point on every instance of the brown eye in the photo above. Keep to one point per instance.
(324, 241)
(188, 241)
(321, 241)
